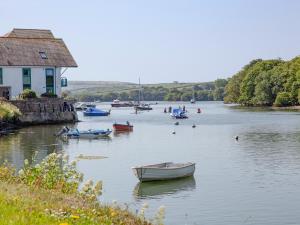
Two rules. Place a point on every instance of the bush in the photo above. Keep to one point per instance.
(48, 95)
(27, 93)
(8, 112)
(283, 99)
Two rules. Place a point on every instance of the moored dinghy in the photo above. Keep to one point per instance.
(75, 133)
(95, 112)
(164, 171)
(118, 127)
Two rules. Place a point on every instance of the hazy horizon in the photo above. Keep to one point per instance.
(162, 41)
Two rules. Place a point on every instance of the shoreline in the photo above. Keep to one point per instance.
(278, 108)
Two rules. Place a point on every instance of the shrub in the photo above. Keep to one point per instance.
(283, 99)
(55, 173)
(48, 95)
(27, 93)
(8, 112)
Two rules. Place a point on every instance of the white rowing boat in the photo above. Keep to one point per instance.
(164, 171)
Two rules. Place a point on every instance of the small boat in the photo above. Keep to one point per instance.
(143, 107)
(164, 171)
(193, 100)
(117, 103)
(75, 133)
(123, 127)
(84, 106)
(179, 114)
(95, 112)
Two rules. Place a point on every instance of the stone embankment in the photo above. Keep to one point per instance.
(45, 111)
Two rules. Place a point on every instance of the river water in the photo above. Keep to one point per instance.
(251, 181)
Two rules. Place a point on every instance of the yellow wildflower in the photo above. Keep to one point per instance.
(74, 216)
(113, 213)
(63, 224)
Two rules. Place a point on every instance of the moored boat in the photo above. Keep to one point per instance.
(95, 112)
(75, 133)
(122, 127)
(116, 103)
(164, 171)
(179, 114)
(84, 105)
(143, 107)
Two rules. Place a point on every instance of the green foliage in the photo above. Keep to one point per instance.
(182, 92)
(47, 193)
(283, 99)
(261, 81)
(8, 112)
(27, 93)
(55, 173)
(49, 95)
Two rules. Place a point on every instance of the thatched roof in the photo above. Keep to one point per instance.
(29, 47)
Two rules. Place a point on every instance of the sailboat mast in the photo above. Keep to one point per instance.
(139, 90)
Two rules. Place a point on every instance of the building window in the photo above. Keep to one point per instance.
(1, 76)
(50, 81)
(26, 78)
(43, 55)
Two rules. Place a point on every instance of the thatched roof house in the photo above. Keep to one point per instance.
(33, 49)
(23, 47)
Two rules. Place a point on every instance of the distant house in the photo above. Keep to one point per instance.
(32, 59)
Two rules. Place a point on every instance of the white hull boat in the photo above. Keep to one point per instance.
(75, 133)
(164, 171)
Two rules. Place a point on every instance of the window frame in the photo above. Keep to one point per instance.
(1, 76)
(54, 81)
(43, 55)
(26, 86)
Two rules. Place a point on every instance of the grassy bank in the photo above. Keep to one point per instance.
(20, 204)
(48, 193)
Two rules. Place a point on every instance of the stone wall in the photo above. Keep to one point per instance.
(45, 111)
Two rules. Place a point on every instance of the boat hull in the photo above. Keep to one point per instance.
(95, 114)
(179, 116)
(156, 174)
(119, 105)
(89, 134)
(141, 108)
(122, 127)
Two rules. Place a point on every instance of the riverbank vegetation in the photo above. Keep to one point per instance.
(266, 83)
(207, 91)
(48, 193)
(8, 112)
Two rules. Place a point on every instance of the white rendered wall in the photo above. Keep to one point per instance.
(13, 77)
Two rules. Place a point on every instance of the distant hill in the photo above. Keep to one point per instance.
(109, 90)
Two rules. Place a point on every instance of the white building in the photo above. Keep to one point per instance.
(32, 59)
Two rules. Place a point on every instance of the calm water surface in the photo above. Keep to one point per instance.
(252, 181)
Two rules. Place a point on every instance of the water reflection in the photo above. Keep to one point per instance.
(23, 145)
(122, 133)
(158, 189)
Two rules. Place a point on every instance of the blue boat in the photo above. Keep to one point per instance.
(179, 114)
(75, 133)
(95, 112)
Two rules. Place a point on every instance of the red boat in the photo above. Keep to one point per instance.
(123, 127)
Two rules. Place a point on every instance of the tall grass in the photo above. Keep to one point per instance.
(8, 112)
(48, 193)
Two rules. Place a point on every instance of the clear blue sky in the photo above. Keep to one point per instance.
(162, 40)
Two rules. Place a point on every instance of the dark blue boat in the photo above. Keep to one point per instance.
(179, 114)
(95, 112)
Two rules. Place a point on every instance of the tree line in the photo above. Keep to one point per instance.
(265, 83)
(210, 91)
